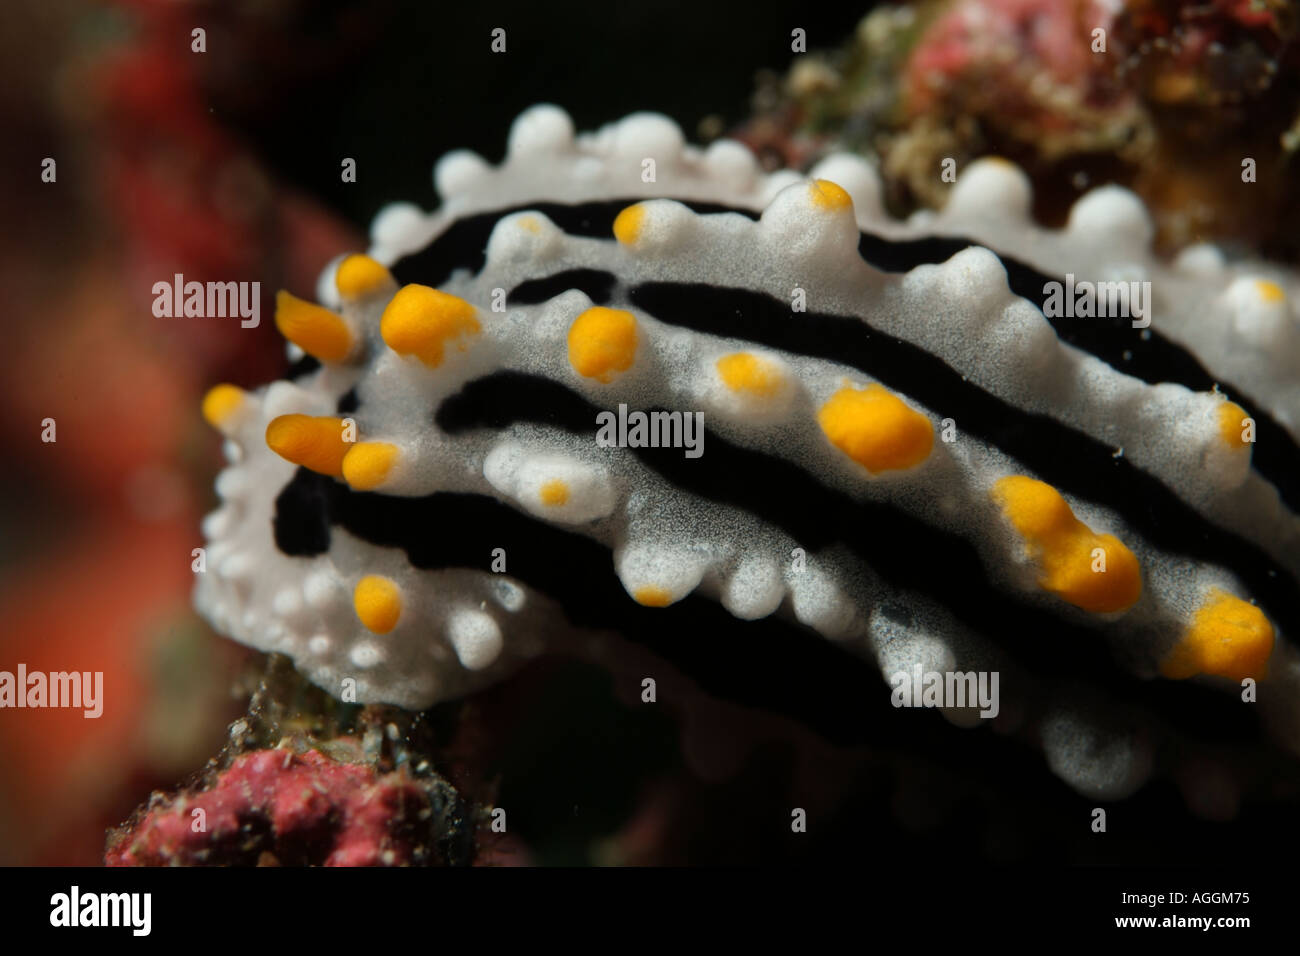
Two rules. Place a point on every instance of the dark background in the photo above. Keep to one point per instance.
(419, 79)
(93, 579)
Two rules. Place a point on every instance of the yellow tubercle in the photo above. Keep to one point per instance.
(830, 196)
(652, 596)
(368, 463)
(602, 343)
(628, 223)
(359, 276)
(530, 224)
(313, 328)
(378, 603)
(423, 322)
(313, 442)
(875, 428)
(1232, 425)
(1228, 637)
(750, 373)
(1096, 572)
(554, 493)
(222, 404)
(1270, 292)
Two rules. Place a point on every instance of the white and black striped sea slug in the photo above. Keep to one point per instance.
(904, 460)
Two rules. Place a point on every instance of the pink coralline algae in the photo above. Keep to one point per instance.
(1029, 50)
(276, 807)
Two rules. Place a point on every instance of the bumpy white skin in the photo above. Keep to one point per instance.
(302, 607)
(1217, 309)
(460, 629)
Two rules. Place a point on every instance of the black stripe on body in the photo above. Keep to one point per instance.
(463, 245)
(1151, 358)
(302, 368)
(773, 663)
(595, 283)
(1069, 459)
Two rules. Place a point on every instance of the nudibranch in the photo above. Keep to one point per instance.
(621, 383)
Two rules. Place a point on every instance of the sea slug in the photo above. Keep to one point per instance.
(907, 449)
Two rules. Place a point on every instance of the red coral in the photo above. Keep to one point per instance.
(298, 808)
